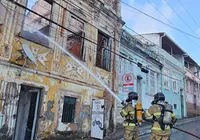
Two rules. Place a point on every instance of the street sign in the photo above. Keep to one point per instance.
(128, 82)
(97, 123)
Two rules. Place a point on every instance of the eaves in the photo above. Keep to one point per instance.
(141, 54)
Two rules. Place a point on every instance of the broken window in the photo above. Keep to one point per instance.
(34, 24)
(75, 41)
(103, 52)
(68, 114)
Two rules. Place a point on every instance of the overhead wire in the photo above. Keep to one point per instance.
(98, 21)
(52, 28)
(125, 25)
(106, 15)
(66, 36)
(136, 63)
(160, 12)
(189, 13)
(96, 28)
(180, 17)
(182, 31)
(172, 24)
(89, 14)
(148, 68)
(145, 38)
(109, 36)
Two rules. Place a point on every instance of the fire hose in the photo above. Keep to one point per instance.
(186, 132)
(151, 121)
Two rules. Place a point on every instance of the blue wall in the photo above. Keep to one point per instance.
(176, 68)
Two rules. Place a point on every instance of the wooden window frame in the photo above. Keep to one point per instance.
(46, 26)
(106, 65)
(166, 79)
(70, 26)
(73, 113)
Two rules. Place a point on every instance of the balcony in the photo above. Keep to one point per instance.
(191, 75)
(172, 59)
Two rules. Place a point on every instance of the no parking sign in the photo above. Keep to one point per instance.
(128, 82)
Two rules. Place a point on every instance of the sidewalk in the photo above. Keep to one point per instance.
(146, 128)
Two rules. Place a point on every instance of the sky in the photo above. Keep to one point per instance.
(143, 24)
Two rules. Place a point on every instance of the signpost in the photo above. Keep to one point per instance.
(128, 82)
(97, 122)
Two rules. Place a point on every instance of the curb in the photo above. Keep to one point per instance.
(147, 129)
(179, 123)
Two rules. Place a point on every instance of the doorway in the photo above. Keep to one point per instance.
(27, 113)
(182, 103)
(195, 105)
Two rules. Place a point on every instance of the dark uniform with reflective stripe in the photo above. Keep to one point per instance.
(131, 130)
(157, 132)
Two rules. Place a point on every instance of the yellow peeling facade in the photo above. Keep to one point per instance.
(54, 73)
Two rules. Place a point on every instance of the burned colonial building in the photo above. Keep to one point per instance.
(43, 90)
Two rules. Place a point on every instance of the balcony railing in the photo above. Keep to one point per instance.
(172, 59)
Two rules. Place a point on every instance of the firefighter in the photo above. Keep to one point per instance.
(163, 118)
(130, 123)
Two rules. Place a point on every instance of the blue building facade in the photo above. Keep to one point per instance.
(173, 75)
(138, 62)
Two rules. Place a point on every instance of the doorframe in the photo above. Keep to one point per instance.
(182, 106)
(37, 114)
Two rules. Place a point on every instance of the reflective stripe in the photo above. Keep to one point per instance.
(159, 129)
(128, 124)
(157, 114)
(124, 112)
(131, 112)
(173, 115)
(147, 113)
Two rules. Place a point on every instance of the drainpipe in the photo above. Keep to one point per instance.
(114, 59)
(161, 67)
(184, 84)
(114, 102)
(184, 95)
(163, 64)
(161, 38)
(114, 66)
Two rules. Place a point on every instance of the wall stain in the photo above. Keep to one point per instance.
(49, 115)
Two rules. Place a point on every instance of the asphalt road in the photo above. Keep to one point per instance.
(193, 127)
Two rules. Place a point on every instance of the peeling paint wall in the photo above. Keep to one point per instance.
(54, 72)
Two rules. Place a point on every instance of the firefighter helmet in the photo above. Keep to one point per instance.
(159, 97)
(132, 96)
